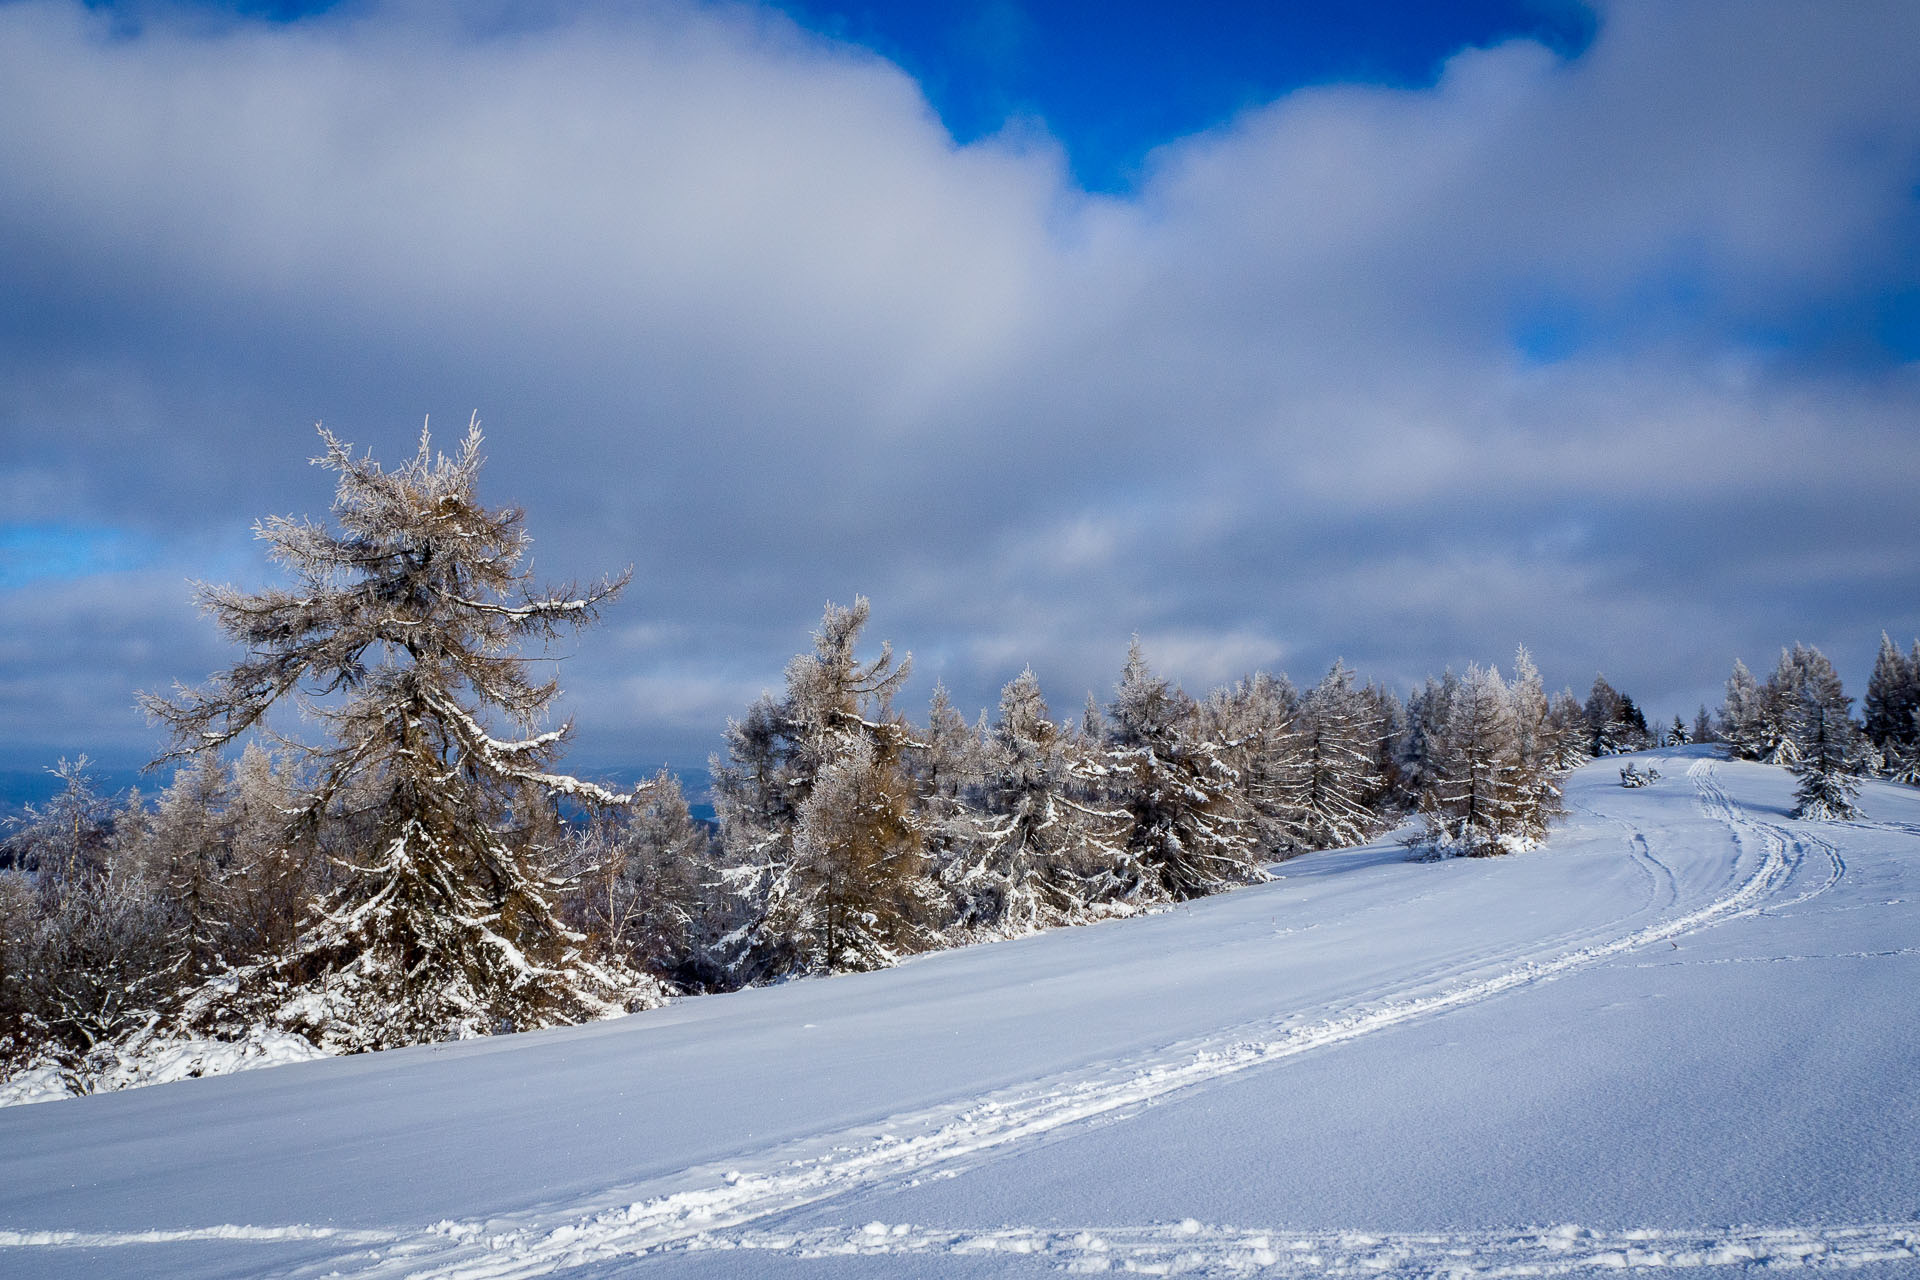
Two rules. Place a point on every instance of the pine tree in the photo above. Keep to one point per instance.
(401, 639)
(1677, 735)
(1702, 726)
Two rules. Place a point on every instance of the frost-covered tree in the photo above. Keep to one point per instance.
(1337, 774)
(1827, 744)
(1188, 837)
(1253, 720)
(190, 849)
(66, 838)
(402, 636)
(1483, 801)
(1892, 708)
(943, 762)
(87, 943)
(1745, 724)
(1702, 726)
(1538, 748)
(1427, 712)
(1047, 847)
(816, 814)
(643, 878)
(1614, 724)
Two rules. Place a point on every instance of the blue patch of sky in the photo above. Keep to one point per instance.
(1112, 80)
(33, 552)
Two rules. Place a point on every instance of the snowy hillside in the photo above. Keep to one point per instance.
(1683, 1035)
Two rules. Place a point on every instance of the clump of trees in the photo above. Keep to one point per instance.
(421, 870)
(1800, 718)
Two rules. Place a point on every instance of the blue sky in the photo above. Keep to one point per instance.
(1399, 333)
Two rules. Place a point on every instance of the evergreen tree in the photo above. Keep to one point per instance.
(401, 638)
(1677, 736)
(1702, 725)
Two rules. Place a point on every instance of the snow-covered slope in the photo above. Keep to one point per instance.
(1685, 1035)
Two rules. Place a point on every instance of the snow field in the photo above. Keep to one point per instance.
(1646, 869)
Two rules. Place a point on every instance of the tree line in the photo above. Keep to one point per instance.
(422, 871)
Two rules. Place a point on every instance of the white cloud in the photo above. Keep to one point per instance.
(735, 308)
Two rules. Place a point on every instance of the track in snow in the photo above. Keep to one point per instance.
(718, 1203)
(1190, 1246)
(731, 1207)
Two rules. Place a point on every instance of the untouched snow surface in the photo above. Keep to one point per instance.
(1684, 1037)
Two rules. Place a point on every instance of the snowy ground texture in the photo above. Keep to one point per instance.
(1684, 1037)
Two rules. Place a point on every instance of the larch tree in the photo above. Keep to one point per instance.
(1336, 773)
(1189, 837)
(1743, 720)
(1253, 720)
(826, 859)
(402, 637)
(1045, 846)
(1826, 742)
(1892, 707)
(1482, 801)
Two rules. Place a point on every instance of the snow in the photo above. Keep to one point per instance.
(149, 1061)
(1678, 1037)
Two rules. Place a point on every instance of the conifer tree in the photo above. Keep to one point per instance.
(944, 762)
(1892, 706)
(1827, 743)
(1482, 801)
(1188, 839)
(816, 814)
(1046, 847)
(1702, 725)
(1743, 722)
(1537, 748)
(1253, 720)
(643, 883)
(401, 638)
(1337, 774)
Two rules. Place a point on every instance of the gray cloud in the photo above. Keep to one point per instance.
(734, 308)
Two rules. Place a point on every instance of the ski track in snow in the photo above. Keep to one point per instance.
(1193, 1248)
(720, 1203)
(721, 1207)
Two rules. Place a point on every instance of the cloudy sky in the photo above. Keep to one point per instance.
(1272, 338)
